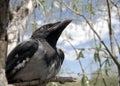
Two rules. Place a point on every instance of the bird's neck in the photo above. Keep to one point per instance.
(50, 42)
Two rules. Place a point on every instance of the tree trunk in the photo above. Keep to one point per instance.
(18, 23)
(118, 76)
(4, 4)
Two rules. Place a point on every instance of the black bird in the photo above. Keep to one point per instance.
(37, 58)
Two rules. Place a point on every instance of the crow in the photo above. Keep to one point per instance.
(38, 57)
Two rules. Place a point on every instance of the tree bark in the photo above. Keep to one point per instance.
(118, 76)
(4, 4)
(18, 22)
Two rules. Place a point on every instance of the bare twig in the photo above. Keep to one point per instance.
(89, 48)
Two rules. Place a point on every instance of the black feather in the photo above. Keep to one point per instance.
(22, 51)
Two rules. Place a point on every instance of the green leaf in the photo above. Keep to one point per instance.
(84, 7)
(85, 81)
(97, 57)
(106, 72)
(108, 63)
(75, 7)
(106, 66)
(70, 37)
(41, 4)
(80, 55)
(100, 46)
(91, 9)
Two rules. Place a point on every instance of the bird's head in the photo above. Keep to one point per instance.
(51, 32)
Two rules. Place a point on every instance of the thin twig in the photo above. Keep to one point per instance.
(77, 55)
(97, 77)
(110, 28)
(100, 64)
(118, 46)
(103, 80)
(119, 20)
(117, 8)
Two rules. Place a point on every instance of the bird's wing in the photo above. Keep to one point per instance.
(20, 55)
(60, 55)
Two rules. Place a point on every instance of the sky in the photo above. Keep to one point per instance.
(81, 37)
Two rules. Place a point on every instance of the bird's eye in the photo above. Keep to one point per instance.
(42, 29)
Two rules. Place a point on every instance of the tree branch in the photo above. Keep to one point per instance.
(4, 12)
(110, 28)
(41, 83)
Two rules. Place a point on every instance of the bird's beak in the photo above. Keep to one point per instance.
(61, 25)
(56, 30)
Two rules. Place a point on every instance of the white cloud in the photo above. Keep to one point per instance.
(70, 55)
(77, 33)
(26, 37)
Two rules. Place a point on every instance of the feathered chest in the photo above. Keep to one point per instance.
(45, 52)
(44, 64)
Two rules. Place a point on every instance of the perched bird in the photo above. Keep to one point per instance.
(37, 58)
